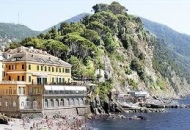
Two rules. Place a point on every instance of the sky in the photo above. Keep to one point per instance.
(42, 14)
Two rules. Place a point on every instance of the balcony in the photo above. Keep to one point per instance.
(57, 83)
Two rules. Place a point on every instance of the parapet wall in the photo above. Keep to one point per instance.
(73, 111)
(67, 111)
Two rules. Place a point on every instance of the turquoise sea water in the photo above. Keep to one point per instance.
(174, 119)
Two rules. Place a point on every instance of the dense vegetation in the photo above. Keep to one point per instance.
(15, 31)
(110, 38)
(173, 49)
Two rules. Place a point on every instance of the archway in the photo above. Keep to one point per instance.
(56, 103)
(61, 103)
(51, 103)
(46, 103)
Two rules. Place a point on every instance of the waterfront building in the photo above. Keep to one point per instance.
(34, 81)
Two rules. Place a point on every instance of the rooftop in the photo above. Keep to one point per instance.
(33, 55)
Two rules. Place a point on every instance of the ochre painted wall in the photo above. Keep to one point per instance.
(21, 71)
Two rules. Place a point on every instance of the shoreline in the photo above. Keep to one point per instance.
(64, 123)
(71, 122)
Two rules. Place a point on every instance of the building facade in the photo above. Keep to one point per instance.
(1, 65)
(34, 81)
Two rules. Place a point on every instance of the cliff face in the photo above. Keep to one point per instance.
(133, 66)
(112, 47)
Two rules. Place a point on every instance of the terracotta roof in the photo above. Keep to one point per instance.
(33, 55)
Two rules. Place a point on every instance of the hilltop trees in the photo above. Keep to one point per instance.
(56, 48)
(82, 44)
(114, 7)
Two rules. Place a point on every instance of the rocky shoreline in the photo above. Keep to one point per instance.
(150, 106)
(99, 109)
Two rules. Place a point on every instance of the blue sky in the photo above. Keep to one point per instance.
(42, 14)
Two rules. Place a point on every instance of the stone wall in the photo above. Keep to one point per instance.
(67, 111)
(9, 103)
(61, 112)
(83, 111)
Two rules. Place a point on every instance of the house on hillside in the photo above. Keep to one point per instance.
(34, 81)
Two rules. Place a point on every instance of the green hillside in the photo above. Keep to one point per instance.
(177, 44)
(74, 19)
(15, 31)
(115, 42)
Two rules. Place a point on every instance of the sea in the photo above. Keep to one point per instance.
(173, 119)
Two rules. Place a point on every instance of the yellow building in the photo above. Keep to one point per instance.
(35, 67)
(35, 81)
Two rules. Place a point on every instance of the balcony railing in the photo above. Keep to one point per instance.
(58, 83)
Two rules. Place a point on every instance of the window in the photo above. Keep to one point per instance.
(53, 80)
(18, 78)
(9, 78)
(22, 104)
(14, 104)
(59, 80)
(45, 68)
(22, 78)
(51, 103)
(35, 103)
(63, 70)
(60, 70)
(6, 104)
(38, 80)
(30, 90)
(22, 66)
(56, 69)
(29, 79)
(52, 69)
(14, 91)
(41, 68)
(13, 67)
(63, 80)
(9, 67)
(46, 103)
(38, 67)
(49, 68)
(67, 70)
(29, 67)
(27, 103)
(10, 90)
(19, 89)
(24, 90)
(0, 104)
(45, 80)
